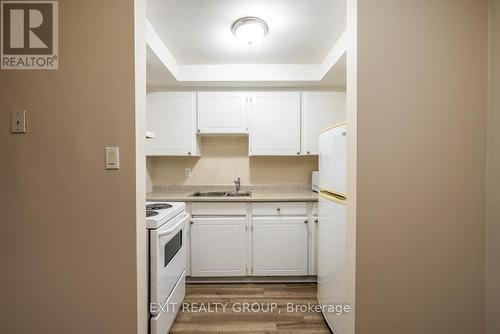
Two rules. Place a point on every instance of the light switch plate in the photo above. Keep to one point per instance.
(187, 172)
(113, 157)
(18, 121)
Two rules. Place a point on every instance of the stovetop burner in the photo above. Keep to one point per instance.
(158, 206)
(150, 213)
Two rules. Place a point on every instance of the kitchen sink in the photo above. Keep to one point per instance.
(221, 194)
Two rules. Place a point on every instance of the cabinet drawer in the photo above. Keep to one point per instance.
(279, 208)
(218, 209)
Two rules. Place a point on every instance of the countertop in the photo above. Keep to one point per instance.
(259, 194)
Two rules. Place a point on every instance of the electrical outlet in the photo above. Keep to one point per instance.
(187, 172)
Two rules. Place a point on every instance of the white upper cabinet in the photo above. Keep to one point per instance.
(319, 111)
(171, 116)
(222, 112)
(275, 123)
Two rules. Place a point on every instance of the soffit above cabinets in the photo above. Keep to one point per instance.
(159, 76)
(190, 43)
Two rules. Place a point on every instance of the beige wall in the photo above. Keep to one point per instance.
(67, 238)
(493, 176)
(226, 158)
(422, 83)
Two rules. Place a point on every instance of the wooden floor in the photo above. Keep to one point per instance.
(235, 318)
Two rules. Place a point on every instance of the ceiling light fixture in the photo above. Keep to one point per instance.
(249, 29)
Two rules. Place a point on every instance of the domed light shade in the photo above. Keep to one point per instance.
(249, 29)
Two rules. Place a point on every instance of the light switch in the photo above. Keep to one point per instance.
(187, 172)
(18, 121)
(113, 157)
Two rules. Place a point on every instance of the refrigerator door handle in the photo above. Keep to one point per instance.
(340, 199)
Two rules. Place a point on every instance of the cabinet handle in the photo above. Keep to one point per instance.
(308, 152)
(306, 221)
(198, 130)
(278, 209)
(191, 222)
(298, 153)
(316, 221)
(189, 153)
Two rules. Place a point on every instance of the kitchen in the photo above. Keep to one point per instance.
(245, 159)
(159, 173)
(267, 232)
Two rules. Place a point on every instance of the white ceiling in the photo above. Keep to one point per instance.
(198, 32)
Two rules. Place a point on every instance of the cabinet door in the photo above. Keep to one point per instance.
(280, 246)
(313, 245)
(275, 127)
(218, 247)
(319, 111)
(222, 112)
(171, 117)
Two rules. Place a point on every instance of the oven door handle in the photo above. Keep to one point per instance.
(170, 230)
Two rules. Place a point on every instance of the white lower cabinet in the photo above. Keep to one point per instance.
(280, 246)
(259, 239)
(313, 245)
(218, 246)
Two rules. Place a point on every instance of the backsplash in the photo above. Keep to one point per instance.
(226, 158)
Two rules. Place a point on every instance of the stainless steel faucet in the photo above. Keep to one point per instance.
(237, 183)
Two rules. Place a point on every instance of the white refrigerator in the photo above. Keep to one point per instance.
(332, 238)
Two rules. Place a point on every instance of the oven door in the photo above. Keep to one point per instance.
(168, 259)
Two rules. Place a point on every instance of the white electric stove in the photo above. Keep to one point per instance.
(159, 213)
(167, 261)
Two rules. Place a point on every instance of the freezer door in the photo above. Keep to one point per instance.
(332, 254)
(333, 159)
